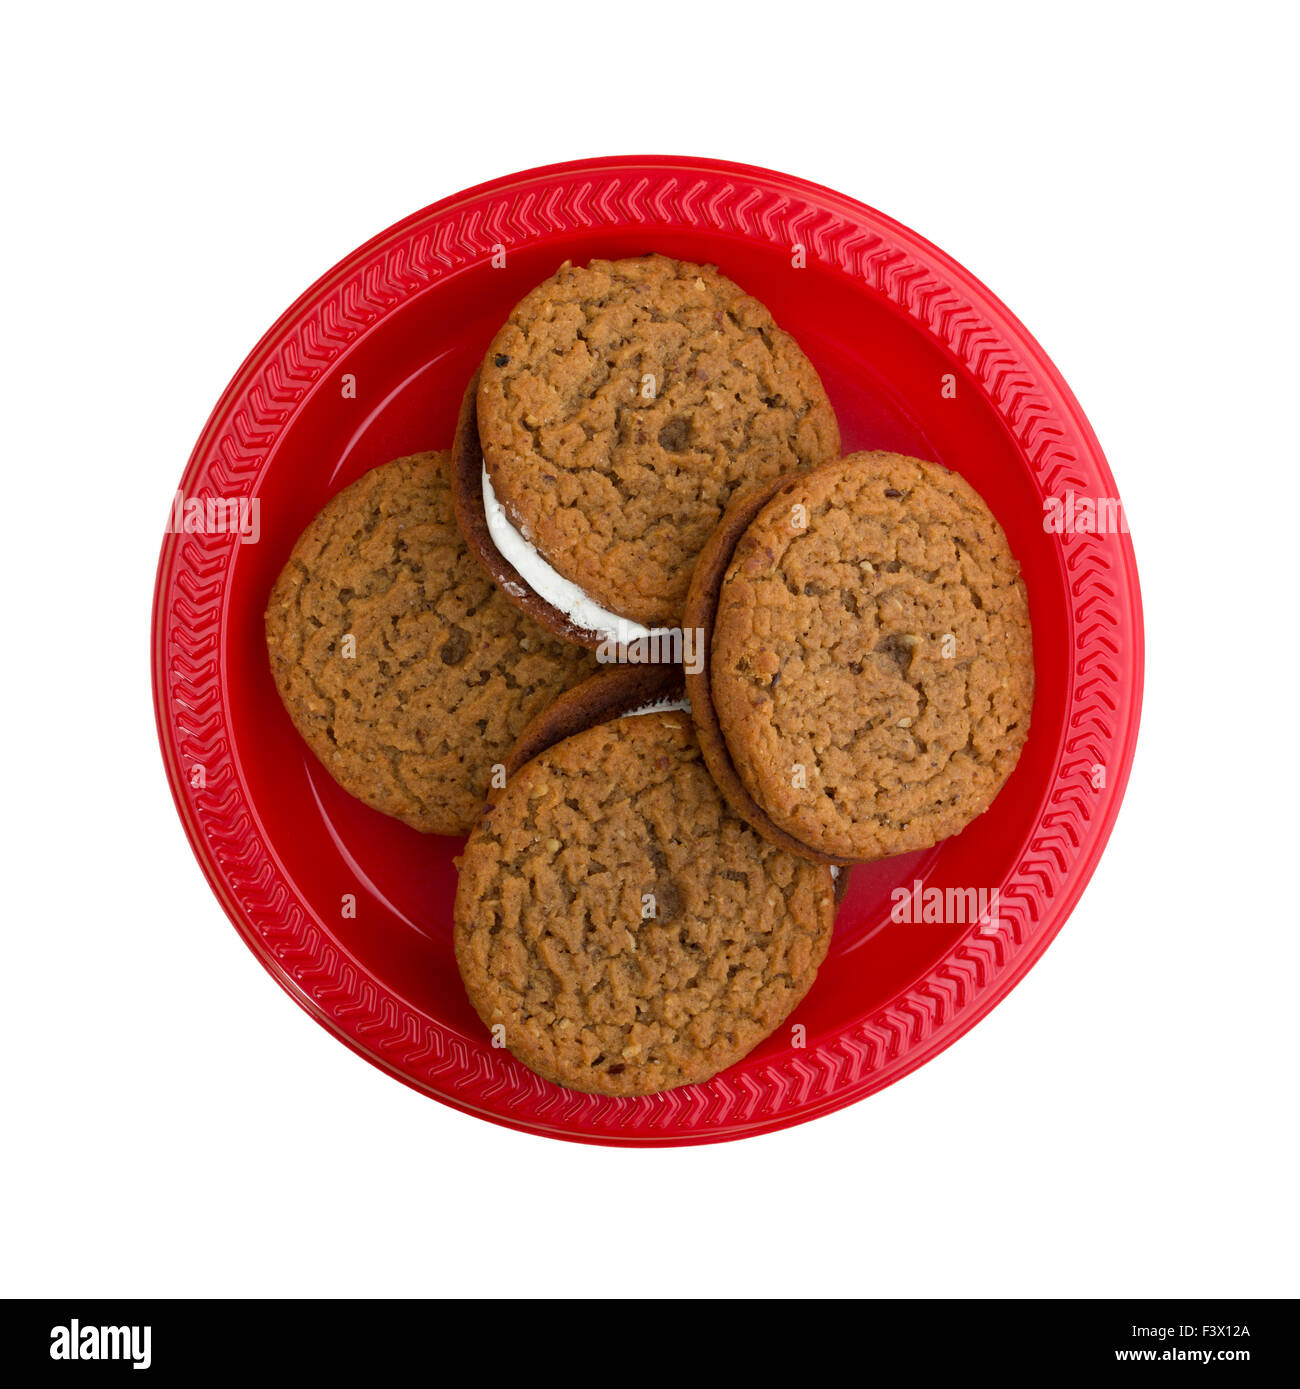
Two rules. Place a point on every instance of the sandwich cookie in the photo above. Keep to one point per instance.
(617, 927)
(403, 667)
(870, 672)
(616, 414)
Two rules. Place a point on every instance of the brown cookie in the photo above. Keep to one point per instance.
(624, 931)
(624, 404)
(871, 674)
(443, 673)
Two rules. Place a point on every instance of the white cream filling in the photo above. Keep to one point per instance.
(659, 706)
(553, 587)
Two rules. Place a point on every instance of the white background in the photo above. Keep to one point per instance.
(1122, 177)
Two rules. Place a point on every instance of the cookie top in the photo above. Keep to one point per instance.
(622, 928)
(620, 408)
(444, 671)
(871, 665)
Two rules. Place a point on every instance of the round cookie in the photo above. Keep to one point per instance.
(871, 668)
(444, 670)
(623, 928)
(623, 405)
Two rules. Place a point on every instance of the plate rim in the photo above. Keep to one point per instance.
(923, 283)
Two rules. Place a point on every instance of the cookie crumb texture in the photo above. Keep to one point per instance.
(872, 669)
(446, 671)
(622, 406)
(552, 935)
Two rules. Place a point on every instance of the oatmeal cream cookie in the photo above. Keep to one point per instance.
(622, 406)
(625, 931)
(441, 671)
(870, 675)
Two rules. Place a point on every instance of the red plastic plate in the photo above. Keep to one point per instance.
(370, 363)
